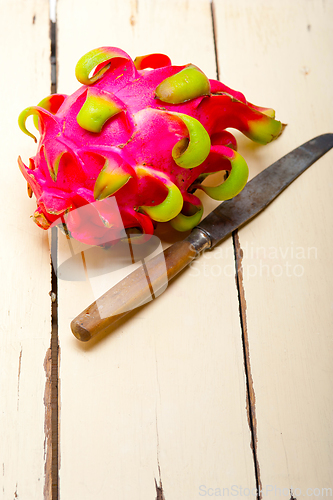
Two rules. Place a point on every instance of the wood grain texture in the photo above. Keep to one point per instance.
(24, 258)
(280, 54)
(159, 406)
(164, 397)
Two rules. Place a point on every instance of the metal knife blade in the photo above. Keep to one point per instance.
(263, 189)
(150, 279)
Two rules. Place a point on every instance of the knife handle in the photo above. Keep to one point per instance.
(139, 287)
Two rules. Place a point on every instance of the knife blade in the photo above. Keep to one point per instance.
(145, 282)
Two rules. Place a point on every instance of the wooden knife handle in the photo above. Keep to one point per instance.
(139, 287)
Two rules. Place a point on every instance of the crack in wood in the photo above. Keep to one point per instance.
(18, 379)
(250, 396)
(212, 7)
(159, 491)
(48, 427)
(159, 488)
(292, 496)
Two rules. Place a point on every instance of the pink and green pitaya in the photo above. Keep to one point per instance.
(144, 132)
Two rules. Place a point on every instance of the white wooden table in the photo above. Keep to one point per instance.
(223, 384)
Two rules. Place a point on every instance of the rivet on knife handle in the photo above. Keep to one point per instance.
(138, 287)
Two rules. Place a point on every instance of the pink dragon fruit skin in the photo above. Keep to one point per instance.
(144, 132)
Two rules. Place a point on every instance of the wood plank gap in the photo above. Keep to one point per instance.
(212, 8)
(55, 350)
(48, 427)
(53, 37)
(250, 394)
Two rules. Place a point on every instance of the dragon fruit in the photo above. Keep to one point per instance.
(143, 131)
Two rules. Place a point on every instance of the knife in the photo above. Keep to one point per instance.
(140, 285)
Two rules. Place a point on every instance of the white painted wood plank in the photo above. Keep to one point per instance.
(280, 54)
(24, 257)
(167, 389)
